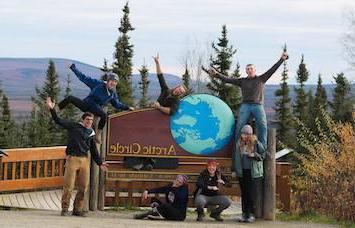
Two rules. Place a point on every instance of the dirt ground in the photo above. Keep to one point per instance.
(113, 219)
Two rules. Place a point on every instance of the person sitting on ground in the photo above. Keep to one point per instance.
(176, 197)
(167, 103)
(207, 192)
(100, 95)
(247, 164)
(77, 164)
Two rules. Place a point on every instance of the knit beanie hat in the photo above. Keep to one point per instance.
(247, 129)
(182, 178)
(112, 76)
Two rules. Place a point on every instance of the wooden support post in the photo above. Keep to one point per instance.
(102, 176)
(270, 177)
(94, 178)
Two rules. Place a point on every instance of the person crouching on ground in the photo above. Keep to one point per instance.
(176, 196)
(207, 192)
(248, 166)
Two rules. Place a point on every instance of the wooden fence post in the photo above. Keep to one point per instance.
(102, 177)
(94, 179)
(270, 177)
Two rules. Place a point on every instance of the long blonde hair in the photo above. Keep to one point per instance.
(248, 144)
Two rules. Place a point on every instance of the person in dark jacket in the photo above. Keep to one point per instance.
(100, 95)
(77, 166)
(176, 199)
(247, 164)
(252, 96)
(207, 192)
(167, 103)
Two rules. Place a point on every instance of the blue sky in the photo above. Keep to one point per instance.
(87, 30)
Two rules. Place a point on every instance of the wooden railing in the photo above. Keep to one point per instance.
(43, 168)
(32, 168)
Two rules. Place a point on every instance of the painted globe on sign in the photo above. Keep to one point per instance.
(203, 124)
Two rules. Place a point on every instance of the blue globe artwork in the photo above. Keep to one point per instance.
(203, 124)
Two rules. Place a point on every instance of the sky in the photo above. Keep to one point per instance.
(86, 30)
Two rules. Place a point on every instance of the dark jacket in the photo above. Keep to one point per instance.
(177, 197)
(99, 94)
(205, 180)
(80, 139)
(166, 98)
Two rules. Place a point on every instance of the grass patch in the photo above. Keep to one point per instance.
(314, 218)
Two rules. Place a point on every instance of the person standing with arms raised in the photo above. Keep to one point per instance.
(252, 96)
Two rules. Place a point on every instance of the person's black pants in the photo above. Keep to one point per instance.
(85, 107)
(248, 190)
(168, 211)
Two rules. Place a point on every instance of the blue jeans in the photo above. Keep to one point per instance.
(258, 112)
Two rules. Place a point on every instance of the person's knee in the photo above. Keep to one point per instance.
(200, 202)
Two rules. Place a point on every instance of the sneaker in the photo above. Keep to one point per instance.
(64, 213)
(200, 217)
(79, 213)
(143, 215)
(147, 167)
(137, 167)
(242, 218)
(155, 216)
(250, 219)
(216, 217)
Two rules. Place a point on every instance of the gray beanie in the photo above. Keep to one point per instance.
(112, 76)
(247, 129)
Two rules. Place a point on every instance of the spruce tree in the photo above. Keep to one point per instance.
(8, 136)
(235, 92)
(70, 112)
(320, 100)
(283, 112)
(311, 110)
(342, 104)
(143, 86)
(222, 60)
(300, 107)
(122, 64)
(105, 69)
(186, 78)
(40, 131)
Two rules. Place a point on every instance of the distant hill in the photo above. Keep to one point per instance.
(20, 76)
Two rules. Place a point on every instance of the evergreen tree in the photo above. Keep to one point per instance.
(186, 78)
(144, 85)
(342, 104)
(320, 100)
(222, 61)
(122, 65)
(311, 111)
(283, 112)
(8, 129)
(301, 97)
(105, 69)
(70, 112)
(40, 131)
(235, 92)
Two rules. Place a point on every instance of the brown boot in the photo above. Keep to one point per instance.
(98, 136)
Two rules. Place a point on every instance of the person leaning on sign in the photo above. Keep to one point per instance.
(167, 103)
(207, 192)
(77, 165)
(101, 93)
(247, 164)
(176, 197)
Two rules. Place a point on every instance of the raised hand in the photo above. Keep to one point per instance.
(156, 59)
(49, 103)
(156, 105)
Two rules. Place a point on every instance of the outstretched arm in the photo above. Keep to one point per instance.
(161, 79)
(214, 73)
(64, 123)
(119, 105)
(90, 82)
(165, 110)
(264, 77)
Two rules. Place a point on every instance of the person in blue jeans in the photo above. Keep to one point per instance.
(252, 96)
(100, 95)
